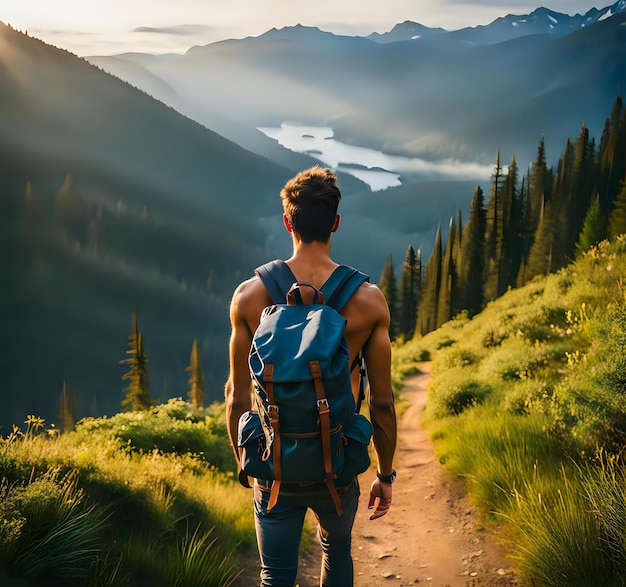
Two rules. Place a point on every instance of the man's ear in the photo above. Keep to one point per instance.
(336, 224)
(286, 223)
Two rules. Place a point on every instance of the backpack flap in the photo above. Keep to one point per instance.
(307, 333)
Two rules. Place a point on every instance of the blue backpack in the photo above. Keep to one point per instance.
(305, 428)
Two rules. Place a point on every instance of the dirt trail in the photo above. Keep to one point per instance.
(430, 535)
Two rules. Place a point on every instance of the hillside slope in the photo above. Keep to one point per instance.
(112, 202)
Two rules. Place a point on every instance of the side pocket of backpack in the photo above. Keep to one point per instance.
(357, 459)
(251, 445)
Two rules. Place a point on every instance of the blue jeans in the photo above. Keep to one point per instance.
(278, 534)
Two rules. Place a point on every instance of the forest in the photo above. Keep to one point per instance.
(532, 223)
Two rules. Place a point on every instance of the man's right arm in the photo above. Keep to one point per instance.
(239, 386)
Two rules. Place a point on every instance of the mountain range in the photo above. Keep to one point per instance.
(422, 93)
(157, 193)
(539, 22)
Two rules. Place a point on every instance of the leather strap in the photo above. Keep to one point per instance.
(324, 415)
(273, 412)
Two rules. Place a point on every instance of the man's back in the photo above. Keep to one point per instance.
(366, 313)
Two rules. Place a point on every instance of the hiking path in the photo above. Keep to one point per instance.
(432, 534)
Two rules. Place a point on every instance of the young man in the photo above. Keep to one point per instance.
(310, 201)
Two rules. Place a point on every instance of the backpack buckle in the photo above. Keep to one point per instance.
(323, 403)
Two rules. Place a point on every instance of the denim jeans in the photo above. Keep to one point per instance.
(279, 531)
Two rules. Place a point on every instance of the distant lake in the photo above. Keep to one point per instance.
(375, 168)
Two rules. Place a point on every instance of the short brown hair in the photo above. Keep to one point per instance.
(310, 202)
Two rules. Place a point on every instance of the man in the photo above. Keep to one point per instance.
(310, 201)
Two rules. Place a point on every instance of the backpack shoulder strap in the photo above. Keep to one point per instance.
(341, 286)
(277, 278)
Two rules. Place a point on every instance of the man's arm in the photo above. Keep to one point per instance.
(239, 385)
(377, 353)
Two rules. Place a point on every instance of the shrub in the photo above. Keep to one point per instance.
(454, 392)
(173, 427)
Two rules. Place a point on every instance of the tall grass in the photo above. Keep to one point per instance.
(47, 528)
(106, 505)
(557, 539)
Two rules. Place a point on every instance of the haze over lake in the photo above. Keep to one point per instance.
(377, 169)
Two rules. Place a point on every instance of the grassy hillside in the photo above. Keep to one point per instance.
(144, 498)
(526, 404)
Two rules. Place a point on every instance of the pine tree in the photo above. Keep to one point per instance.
(471, 266)
(539, 260)
(512, 218)
(67, 410)
(494, 234)
(409, 293)
(447, 283)
(137, 392)
(427, 308)
(593, 230)
(389, 286)
(612, 155)
(196, 378)
(581, 195)
(539, 193)
(617, 219)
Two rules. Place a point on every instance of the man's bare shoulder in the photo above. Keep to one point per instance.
(370, 293)
(249, 299)
(370, 301)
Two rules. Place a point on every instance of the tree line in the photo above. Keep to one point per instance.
(137, 391)
(528, 228)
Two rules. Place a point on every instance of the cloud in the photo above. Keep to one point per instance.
(186, 30)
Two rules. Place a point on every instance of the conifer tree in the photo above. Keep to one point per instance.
(581, 196)
(67, 410)
(409, 292)
(593, 230)
(447, 282)
(539, 193)
(612, 155)
(196, 378)
(494, 234)
(427, 308)
(471, 267)
(137, 392)
(389, 286)
(540, 183)
(617, 219)
(512, 218)
(539, 260)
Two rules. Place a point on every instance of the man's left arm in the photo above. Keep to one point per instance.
(377, 353)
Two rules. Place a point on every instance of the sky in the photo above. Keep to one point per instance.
(108, 27)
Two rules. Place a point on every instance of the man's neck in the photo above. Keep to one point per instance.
(311, 258)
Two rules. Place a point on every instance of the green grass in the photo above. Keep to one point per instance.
(527, 405)
(126, 500)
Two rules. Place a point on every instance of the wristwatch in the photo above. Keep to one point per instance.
(387, 478)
